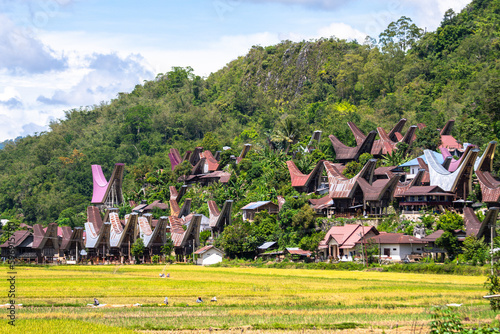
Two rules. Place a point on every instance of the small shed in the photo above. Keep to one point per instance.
(298, 254)
(208, 255)
(267, 246)
(251, 209)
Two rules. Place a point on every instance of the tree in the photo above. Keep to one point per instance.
(137, 249)
(427, 138)
(449, 222)
(351, 169)
(474, 250)
(311, 242)
(448, 241)
(238, 240)
(168, 247)
(287, 130)
(210, 143)
(183, 169)
(402, 34)
(204, 235)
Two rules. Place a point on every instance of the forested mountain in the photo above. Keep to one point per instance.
(279, 93)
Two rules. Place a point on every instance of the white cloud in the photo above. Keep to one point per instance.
(342, 31)
(22, 53)
(430, 13)
(108, 75)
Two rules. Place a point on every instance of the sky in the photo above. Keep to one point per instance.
(56, 55)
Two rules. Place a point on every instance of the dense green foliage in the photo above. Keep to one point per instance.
(274, 95)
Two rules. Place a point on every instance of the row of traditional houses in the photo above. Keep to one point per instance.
(433, 183)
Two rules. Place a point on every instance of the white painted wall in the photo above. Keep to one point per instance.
(400, 251)
(210, 257)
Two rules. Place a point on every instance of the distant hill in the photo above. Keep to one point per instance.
(9, 141)
(279, 93)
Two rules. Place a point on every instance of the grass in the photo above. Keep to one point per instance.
(256, 298)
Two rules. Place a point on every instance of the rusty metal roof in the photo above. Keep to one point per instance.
(156, 204)
(218, 219)
(490, 186)
(41, 237)
(175, 158)
(343, 152)
(210, 161)
(342, 187)
(475, 227)
(379, 189)
(94, 217)
(18, 238)
(72, 236)
(426, 190)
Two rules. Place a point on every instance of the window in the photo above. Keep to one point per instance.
(418, 249)
(394, 249)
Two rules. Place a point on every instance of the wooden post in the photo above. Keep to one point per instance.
(491, 238)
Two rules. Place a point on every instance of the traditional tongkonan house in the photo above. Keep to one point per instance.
(387, 142)
(97, 235)
(107, 194)
(345, 154)
(72, 243)
(154, 237)
(122, 237)
(302, 182)
(46, 242)
(459, 182)
(474, 227)
(219, 219)
(448, 141)
(185, 241)
(490, 186)
(22, 245)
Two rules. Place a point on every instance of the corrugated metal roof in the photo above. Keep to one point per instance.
(255, 205)
(414, 162)
(266, 245)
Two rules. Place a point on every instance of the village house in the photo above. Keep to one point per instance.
(251, 209)
(396, 247)
(339, 242)
(208, 255)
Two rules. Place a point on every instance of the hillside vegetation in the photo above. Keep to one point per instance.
(276, 94)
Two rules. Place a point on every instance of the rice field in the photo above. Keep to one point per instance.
(253, 300)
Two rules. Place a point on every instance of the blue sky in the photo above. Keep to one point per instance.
(61, 54)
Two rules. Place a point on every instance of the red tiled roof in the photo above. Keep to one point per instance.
(450, 143)
(347, 235)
